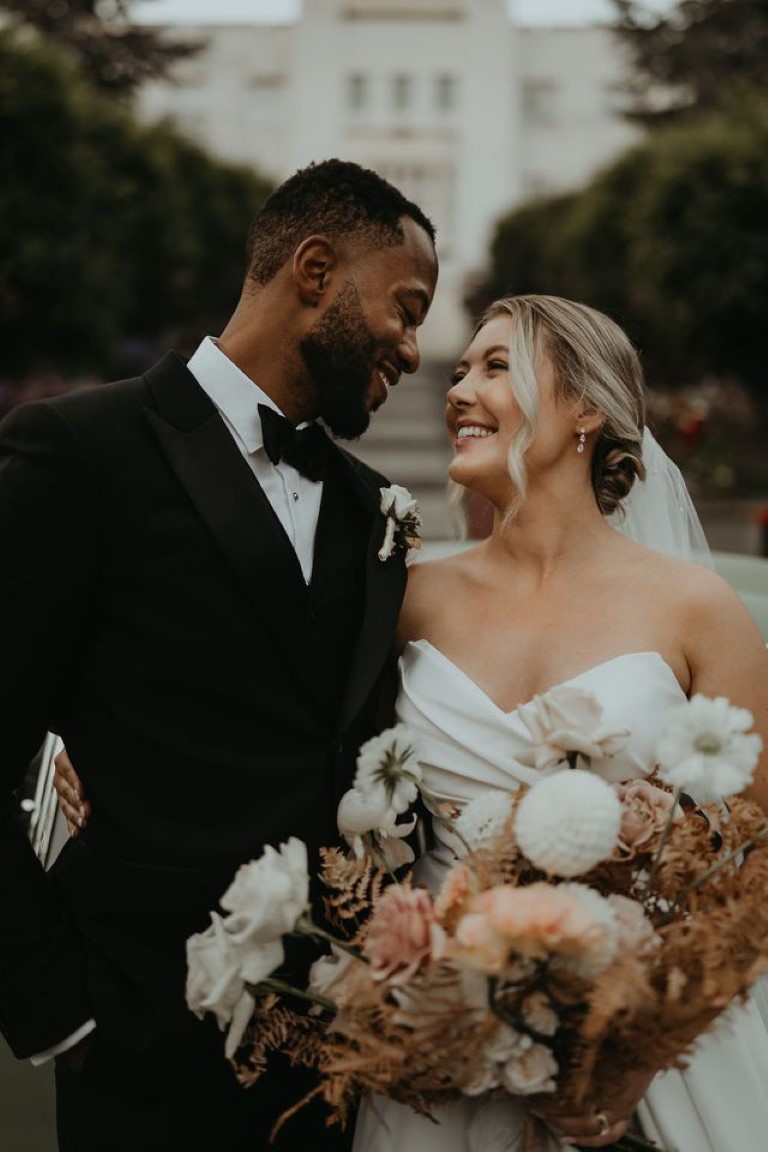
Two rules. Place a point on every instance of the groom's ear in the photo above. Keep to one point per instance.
(313, 263)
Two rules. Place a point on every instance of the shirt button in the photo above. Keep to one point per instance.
(295, 495)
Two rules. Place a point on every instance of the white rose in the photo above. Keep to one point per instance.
(268, 895)
(398, 501)
(214, 980)
(567, 720)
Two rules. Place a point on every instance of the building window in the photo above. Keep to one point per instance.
(541, 101)
(358, 92)
(445, 93)
(401, 92)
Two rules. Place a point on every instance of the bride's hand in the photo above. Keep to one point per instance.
(596, 1128)
(75, 808)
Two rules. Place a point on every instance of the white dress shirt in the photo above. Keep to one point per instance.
(295, 499)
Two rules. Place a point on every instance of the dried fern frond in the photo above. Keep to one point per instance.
(354, 886)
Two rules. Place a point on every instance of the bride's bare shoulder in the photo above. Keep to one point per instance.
(430, 573)
(432, 583)
(674, 576)
(699, 597)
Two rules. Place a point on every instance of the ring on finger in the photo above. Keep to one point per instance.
(604, 1122)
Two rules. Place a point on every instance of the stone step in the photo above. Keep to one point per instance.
(425, 429)
(408, 442)
(409, 401)
(428, 465)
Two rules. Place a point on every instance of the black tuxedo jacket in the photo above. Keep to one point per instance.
(154, 613)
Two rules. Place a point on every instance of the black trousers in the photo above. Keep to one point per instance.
(183, 1095)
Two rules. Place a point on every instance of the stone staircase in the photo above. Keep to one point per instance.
(408, 442)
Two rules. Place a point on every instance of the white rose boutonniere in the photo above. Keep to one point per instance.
(403, 520)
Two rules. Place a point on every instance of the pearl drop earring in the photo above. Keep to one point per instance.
(582, 438)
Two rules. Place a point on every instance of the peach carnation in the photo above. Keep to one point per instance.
(535, 921)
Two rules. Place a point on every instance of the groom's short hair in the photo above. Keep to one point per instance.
(332, 198)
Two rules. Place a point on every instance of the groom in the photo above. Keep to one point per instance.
(191, 595)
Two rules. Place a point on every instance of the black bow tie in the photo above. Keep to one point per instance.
(304, 448)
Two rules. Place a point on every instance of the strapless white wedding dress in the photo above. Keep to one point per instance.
(467, 744)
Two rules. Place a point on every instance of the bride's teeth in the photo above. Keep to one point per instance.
(384, 381)
(475, 430)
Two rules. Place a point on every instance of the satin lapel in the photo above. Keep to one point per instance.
(231, 503)
(384, 589)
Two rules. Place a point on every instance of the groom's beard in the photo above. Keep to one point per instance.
(340, 353)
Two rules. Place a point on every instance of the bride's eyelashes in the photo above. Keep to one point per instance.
(492, 366)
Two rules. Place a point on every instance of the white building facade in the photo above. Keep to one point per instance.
(466, 112)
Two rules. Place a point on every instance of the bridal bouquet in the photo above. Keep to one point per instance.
(585, 932)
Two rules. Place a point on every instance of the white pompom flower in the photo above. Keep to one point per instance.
(567, 823)
(706, 749)
(484, 817)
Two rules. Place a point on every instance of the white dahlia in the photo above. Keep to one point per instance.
(706, 749)
(567, 823)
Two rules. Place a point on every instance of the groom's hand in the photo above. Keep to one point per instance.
(595, 1128)
(74, 806)
(76, 1056)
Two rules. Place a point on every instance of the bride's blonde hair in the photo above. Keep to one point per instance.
(596, 366)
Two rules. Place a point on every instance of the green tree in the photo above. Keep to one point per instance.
(699, 260)
(670, 239)
(687, 60)
(109, 229)
(114, 55)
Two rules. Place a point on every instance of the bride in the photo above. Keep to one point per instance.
(546, 416)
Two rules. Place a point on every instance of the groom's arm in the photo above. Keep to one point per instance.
(48, 536)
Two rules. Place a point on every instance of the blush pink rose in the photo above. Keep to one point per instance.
(403, 934)
(645, 813)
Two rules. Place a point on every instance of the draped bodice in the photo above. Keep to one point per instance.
(468, 744)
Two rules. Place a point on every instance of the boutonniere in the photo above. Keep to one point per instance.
(403, 520)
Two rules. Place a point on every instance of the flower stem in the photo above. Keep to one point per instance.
(656, 864)
(305, 926)
(272, 985)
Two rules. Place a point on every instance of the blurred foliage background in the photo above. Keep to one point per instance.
(118, 238)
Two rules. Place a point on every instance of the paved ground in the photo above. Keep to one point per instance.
(26, 1105)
